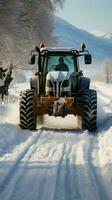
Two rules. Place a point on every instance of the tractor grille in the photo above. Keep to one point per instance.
(65, 83)
(59, 89)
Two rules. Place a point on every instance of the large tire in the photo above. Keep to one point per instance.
(89, 119)
(28, 110)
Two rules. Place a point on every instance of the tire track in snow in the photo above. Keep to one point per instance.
(12, 192)
(104, 162)
(57, 173)
(89, 183)
(86, 184)
(47, 176)
(48, 184)
(20, 172)
(32, 140)
(77, 163)
(43, 184)
(66, 187)
(100, 191)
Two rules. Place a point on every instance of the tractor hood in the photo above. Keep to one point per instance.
(58, 76)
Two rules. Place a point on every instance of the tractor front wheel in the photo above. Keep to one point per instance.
(27, 110)
(88, 121)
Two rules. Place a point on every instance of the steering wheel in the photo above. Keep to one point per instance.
(54, 68)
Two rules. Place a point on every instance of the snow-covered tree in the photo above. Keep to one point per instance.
(23, 24)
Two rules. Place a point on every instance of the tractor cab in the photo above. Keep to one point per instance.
(58, 70)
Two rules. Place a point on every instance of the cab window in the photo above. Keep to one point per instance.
(52, 61)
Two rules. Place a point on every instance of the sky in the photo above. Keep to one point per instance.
(91, 15)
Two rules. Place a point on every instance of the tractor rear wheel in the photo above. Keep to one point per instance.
(27, 110)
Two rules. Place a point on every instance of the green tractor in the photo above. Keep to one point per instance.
(59, 88)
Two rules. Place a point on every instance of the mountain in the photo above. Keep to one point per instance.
(105, 36)
(69, 35)
(108, 36)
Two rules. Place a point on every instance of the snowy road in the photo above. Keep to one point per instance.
(54, 164)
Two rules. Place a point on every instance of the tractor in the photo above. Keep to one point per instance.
(59, 88)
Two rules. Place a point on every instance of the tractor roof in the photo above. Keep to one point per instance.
(58, 49)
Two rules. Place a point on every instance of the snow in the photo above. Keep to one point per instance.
(103, 35)
(97, 33)
(65, 164)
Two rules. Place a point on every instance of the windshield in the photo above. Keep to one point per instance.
(59, 62)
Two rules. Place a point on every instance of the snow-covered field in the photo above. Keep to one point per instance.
(56, 164)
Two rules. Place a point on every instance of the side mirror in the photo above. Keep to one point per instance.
(88, 59)
(32, 60)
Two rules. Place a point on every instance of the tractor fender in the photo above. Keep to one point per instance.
(83, 83)
(34, 83)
